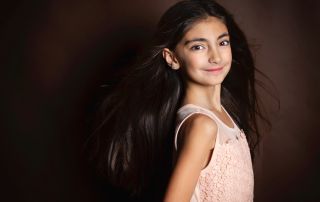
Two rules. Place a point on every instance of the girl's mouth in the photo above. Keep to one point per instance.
(214, 69)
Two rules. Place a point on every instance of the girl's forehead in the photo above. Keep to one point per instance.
(209, 26)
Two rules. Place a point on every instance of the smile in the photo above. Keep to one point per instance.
(214, 70)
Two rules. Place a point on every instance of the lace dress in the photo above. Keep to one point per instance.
(228, 177)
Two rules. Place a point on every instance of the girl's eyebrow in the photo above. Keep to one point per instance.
(194, 40)
(204, 39)
(223, 35)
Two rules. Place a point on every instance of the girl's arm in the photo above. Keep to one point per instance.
(195, 149)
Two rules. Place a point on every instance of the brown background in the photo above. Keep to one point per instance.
(56, 54)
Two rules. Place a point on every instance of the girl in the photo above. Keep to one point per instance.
(171, 129)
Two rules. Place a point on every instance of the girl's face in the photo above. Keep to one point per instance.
(204, 53)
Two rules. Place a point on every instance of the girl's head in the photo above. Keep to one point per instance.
(203, 55)
(184, 16)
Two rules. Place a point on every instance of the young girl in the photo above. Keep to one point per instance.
(177, 127)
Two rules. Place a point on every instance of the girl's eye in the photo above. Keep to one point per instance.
(224, 43)
(197, 47)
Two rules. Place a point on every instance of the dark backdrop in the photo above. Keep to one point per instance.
(57, 57)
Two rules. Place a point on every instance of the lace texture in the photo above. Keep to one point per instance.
(229, 177)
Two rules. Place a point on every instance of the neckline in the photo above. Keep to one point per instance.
(211, 112)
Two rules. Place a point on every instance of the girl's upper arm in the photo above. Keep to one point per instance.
(195, 147)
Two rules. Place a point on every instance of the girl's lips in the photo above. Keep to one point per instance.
(214, 69)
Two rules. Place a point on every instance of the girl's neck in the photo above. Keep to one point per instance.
(207, 97)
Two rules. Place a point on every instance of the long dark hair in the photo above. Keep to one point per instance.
(133, 142)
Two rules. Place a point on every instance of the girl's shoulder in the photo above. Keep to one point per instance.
(198, 129)
(201, 124)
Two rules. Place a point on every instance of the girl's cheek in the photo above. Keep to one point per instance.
(227, 56)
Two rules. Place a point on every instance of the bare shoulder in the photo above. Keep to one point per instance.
(198, 128)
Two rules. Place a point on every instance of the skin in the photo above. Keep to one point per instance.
(204, 58)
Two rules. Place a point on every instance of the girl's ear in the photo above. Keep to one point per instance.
(170, 58)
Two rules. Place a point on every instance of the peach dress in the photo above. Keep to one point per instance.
(228, 177)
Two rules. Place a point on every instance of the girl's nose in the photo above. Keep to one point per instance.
(214, 57)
